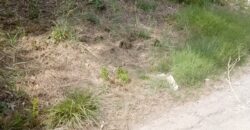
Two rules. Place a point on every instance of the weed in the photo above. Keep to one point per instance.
(79, 106)
(189, 68)
(33, 9)
(104, 73)
(143, 34)
(62, 31)
(35, 110)
(12, 37)
(65, 8)
(122, 75)
(144, 77)
(146, 5)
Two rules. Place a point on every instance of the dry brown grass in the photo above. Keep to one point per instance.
(52, 70)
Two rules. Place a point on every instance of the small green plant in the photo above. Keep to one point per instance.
(62, 31)
(104, 73)
(143, 34)
(35, 109)
(144, 77)
(122, 75)
(163, 65)
(33, 9)
(190, 68)
(12, 37)
(146, 5)
(65, 8)
(78, 107)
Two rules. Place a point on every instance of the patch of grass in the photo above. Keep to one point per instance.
(104, 73)
(122, 75)
(146, 5)
(217, 34)
(143, 34)
(65, 8)
(12, 37)
(77, 108)
(33, 9)
(190, 68)
(62, 31)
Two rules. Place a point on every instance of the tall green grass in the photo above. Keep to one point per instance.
(78, 108)
(216, 35)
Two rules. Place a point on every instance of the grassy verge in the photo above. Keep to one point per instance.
(216, 35)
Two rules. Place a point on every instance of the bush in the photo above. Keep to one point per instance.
(77, 107)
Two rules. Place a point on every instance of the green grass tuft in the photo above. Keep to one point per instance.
(143, 34)
(190, 68)
(62, 31)
(78, 107)
(104, 73)
(122, 75)
(146, 5)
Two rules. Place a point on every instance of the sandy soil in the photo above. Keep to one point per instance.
(219, 111)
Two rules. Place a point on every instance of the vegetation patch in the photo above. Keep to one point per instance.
(216, 35)
(78, 108)
(62, 31)
(146, 5)
(104, 73)
(190, 68)
(122, 75)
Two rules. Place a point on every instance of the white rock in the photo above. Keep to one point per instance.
(170, 79)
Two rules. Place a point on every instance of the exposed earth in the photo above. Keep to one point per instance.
(219, 111)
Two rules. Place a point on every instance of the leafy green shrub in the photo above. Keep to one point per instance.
(77, 107)
(189, 68)
(146, 5)
(104, 73)
(62, 31)
(122, 75)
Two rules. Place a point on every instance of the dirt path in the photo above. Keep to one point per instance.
(218, 111)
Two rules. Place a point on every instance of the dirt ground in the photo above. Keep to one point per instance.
(220, 110)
